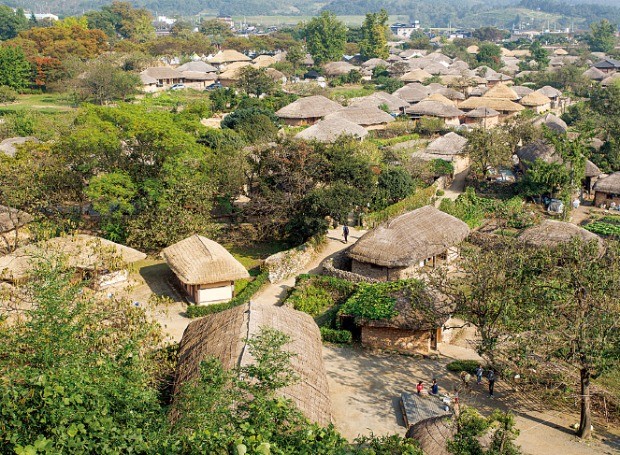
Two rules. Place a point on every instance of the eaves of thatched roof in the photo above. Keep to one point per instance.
(417, 75)
(434, 109)
(410, 238)
(482, 112)
(448, 144)
(535, 99)
(552, 233)
(500, 105)
(609, 184)
(501, 91)
(199, 66)
(309, 107)
(228, 56)
(329, 130)
(362, 115)
(550, 92)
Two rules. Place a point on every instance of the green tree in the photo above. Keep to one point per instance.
(121, 19)
(539, 54)
(103, 81)
(490, 34)
(326, 37)
(488, 149)
(393, 185)
(295, 55)
(602, 36)
(15, 71)
(419, 40)
(375, 31)
(11, 22)
(490, 55)
(255, 81)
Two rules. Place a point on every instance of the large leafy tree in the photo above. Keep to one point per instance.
(602, 36)
(326, 37)
(122, 20)
(488, 148)
(15, 70)
(490, 55)
(11, 22)
(374, 36)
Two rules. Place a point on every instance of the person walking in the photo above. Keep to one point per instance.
(420, 387)
(479, 373)
(435, 388)
(345, 233)
(491, 378)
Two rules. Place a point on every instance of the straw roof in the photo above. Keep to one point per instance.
(440, 99)
(224, 336)
(436, 68)
(522, 90)
(374, 62)
(363, 115)
(395, 104)
(200, 66)
(610, 79)
(538, 150)
(451, 94)
(482, 112)
(478, 91)
(9, 146)
(417, 75)
(162, 72)
(410, 238)
(412, 93)
(501, 91)
(609, 184)
(473, 49)
(198, 76)
(433, 434)
(434, 109)
(500, 105)
(550, 92)
(11, 218)
(338, 68)
(592, 169)
(83, 251)
(329, 130)
(552, 233)
(560, 51)
(199, 260)
(553, 122)
(594, 74)
(146, 79)
(535, 99)
(448, 144)
(263, 61)
(228, 56)
(309, 107)
(277, 76)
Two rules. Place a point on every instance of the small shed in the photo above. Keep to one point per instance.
(400, 247)
(205, 269)
(607, 190)
(308, 110)
(224, 336)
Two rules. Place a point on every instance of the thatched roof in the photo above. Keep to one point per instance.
(501, 91)
(436, 96)
(433, 434)
(199, 260)
(198, 76)
(448, 144)
(478, 91)
(410, 238)
(550, 92)
(538, 150)
(482, 112)
(500, 105)
(309, 107)
(199, 66)
(9, 146)
(551, 233)
(594, 74)
(11, 219)
(434, 109)
(522, 90)
(553, 122)
(277, 76)
(436, 68)
(146, 79)
(263, 61)
(223, 336)
(338, 68)
(394, 103)
(412, 93)
(329, 130)
(535, 99)
(592, 169)
(374, 62)
(362, 115)
(609, 184)
(473, 49)
(82, 251)
(450, 93)
(228, 56)
(162, 72)
(417, 75)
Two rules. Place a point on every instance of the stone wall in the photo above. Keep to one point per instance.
(289, 263)
(399, 340)
(333, 267)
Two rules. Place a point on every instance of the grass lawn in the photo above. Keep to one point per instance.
(251, 256)
(351, 91)
(44, 102)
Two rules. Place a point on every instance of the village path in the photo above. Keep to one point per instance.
(456, 188)
(275, 293)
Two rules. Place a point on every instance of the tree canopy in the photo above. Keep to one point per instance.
(326, 37)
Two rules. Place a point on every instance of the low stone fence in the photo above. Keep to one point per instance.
(337, 266)
(289, 263)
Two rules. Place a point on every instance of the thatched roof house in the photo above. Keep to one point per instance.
(412, 93)
(198, 66)
(228, 56)
(448, 144)
(553, 122)
(502, 91)
(330, 129)
(483, 116)
(416, 75)
(522, 90)
(429, 108)
(536, 101)
(394, 104)
(102, 259)
(308, 110)
(334, 69)
(550, 92)
(224, 336)
(367, 116)
(592, 169)
(433, 434)
(398, 248)
(439, 97)
(9, 146)
(374, 62)
(607, 190)
(164, 76)
(504, 106)
(594, 74)
(537, 150)
(264, 61)
(205, 269)
(551, 233)
(12, 219)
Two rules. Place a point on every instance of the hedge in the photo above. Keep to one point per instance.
(336, 336)
(196, 311)
(418, 199)
(463, 365)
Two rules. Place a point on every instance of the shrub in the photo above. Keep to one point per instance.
(196, 311)
(463, 365)
(311, 300)
(418, 199)
(378, 301)
(336, 336)
(7, 94)
(440, 192)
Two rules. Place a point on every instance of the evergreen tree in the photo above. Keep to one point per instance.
(375, 31)
(602, 36)
(326, 37)
(15, 70)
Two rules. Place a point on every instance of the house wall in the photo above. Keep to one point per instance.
(300, 121)
(111, 278)
(400, 340)
(489, 122)
(197, 85)
(206, 294)
(452, 121)
(605, 198)
(460, 163)
(540, 109)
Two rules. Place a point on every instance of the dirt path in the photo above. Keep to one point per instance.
(369, 402)
(455, 189)
(274, 294)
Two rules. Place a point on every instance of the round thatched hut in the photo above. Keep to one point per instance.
(607, 190)
(224, 336)
(308, 110)
(402, 246)
(551, 233)
(370, 117)
(330, 129)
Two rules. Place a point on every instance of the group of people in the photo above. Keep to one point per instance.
(434, 388)
(465, 378)
(490, 377)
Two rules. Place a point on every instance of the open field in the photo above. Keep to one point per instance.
(44, 102)
(268, 21)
